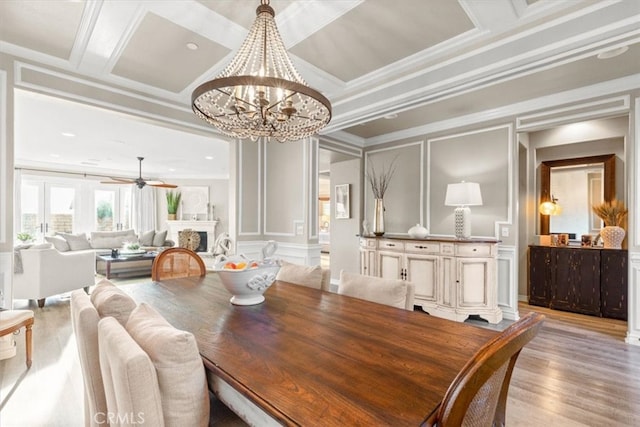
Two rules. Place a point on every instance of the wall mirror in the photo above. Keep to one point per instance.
(575, 185)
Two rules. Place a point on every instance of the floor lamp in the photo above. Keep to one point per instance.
(462, 195)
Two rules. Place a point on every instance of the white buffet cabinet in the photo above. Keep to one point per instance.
(453, 278)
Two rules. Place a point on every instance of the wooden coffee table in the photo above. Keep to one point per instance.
(123, 259)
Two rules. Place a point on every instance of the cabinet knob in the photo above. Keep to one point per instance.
(390, 244)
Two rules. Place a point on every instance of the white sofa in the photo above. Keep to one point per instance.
(101, 243)
(47, 272)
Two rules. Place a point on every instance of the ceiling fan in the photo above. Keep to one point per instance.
(140, 182)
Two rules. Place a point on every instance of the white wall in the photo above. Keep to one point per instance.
(218, 197)
(345, 244)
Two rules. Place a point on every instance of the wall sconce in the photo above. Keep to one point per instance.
(463, 195)
(550, 207)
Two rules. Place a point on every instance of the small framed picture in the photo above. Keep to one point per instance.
(342, 202)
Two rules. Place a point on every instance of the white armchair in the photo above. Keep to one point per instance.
(48, 272)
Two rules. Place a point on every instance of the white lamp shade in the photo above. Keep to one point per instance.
(463, 194)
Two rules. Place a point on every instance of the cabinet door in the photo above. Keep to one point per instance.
(576, 280)
(613, 283)
(539, 276)
(448, 282)
(390, 265)
(422, 271)
(473, 280)
(367, 262)
(587, 286)
(562, 280)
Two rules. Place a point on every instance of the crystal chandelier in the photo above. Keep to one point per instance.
(260, 93)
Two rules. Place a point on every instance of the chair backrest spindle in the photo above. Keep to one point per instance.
(177, 262)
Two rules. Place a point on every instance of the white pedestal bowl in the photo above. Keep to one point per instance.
(247, 286)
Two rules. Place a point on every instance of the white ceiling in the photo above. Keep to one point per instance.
(426, 61)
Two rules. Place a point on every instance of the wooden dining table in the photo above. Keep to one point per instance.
(306, 357)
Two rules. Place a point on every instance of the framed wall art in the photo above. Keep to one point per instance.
(342, 202)
(195, 202)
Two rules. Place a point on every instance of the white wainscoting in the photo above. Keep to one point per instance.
(6, 280)
(508, 282)
(633, 325)
(292, 252)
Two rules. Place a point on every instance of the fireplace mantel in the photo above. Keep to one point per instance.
(209, 226)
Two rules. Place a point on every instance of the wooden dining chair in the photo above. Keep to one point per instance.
(478, 394)
(12, 320)
(177, 262)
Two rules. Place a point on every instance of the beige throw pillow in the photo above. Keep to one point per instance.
(58, 242)
(159, 238)
(76, 242)
(374, 289)
(181, 375)
(112, 301)
(130, 379)
(309, 276)
(146, 238)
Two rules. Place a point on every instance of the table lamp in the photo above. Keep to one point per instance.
(463, 195)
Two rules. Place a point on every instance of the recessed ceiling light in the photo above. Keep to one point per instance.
(613, 52)
(172, 170)
(209, 157)
(69, 134)
(391, 116)
(192, 46)
(54, 155)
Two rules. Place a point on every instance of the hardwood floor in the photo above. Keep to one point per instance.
(577, 372)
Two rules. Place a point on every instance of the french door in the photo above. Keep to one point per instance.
(47, 208)
(112, 208)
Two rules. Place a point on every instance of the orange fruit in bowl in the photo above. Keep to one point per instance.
(229, 266)
(241, 265)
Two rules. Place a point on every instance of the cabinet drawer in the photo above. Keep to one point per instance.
(391, 244)
(422, 247)
(368, 243)
(473, 250)
(447, 249)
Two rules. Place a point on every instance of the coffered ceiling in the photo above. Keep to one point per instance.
(421, 62)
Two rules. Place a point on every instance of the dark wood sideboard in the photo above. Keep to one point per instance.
(582, 280)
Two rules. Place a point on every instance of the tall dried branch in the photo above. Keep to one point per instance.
(380, 181)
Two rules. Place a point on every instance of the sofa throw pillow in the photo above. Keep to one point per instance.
(181, 375)
(111, 301)
(77, 242)
(112, 239)
(130, 381)
(159, 238)
(309, 276)
(375, 289)
(146, 238)
(58, 242)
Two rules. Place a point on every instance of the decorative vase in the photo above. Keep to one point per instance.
(171, 217)
(378, 217)
(418, 232)
(612, 236)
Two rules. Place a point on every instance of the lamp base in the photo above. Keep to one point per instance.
(462, 222)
